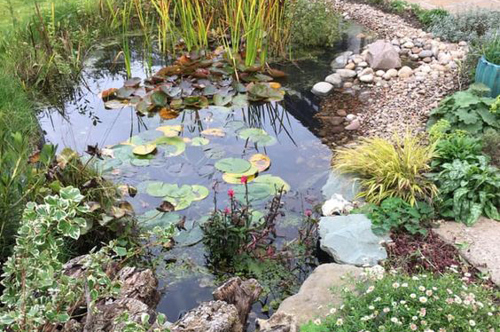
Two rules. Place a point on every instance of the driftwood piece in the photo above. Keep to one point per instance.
(241, 294)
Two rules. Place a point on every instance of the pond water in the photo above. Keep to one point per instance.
(297, 155)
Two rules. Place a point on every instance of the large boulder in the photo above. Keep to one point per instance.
(382, 55)
(213, 316)
(342, 184)
(279, 322)
(350, 240)
(316, 298)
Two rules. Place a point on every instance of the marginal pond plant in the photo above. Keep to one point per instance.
(388, 168)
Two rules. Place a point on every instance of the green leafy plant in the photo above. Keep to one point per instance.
(428, 17)
(418, 303)
(467, 111)
(491, 145)
(468, 190)
(472, 26)
(314, 23)
(389, 169)
(491, 49)
(456, 146)
(398, 6)
(394, 214)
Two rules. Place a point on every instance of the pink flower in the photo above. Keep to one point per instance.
(244, 179)
(308, 213)
(230, 193)
(227, 210)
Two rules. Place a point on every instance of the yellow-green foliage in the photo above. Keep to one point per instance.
(389, 169)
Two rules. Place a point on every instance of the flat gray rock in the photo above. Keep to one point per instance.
(478, 244)
(341, 60)
(322, 88)
(316, 297)
(350, 240)
(341, 184)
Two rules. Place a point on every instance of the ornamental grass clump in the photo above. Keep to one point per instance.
(386, 168)
(418, 303)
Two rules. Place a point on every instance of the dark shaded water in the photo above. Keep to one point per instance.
(298, 156)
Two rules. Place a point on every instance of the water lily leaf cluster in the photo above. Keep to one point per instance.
(196, 81)
(180, 197)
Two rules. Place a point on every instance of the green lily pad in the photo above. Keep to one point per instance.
(256, 192)
(275, 182)
(143, 150)
(233, 165)
(181, 203)
(175, 146)
(159, 98)
(240, 100)
(200, 192)
(188, 238)
(153, 218)
(215, 152)
(252, 133)
(199, 141)
(160, 189)
(219, 100)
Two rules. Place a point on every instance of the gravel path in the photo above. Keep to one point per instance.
(402, 103)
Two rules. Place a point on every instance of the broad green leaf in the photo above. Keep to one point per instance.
(199, 141)
(233, 165)
(143, 150)
(275, 182)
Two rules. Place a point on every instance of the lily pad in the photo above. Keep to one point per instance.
(234, 178)
(160, 189)
(168, 114)
(217, 132)
(215, 152)
(175, 146)
(240, 100)
(159, 98)
(275, 182)
(191, 237)
(153, 218)
(133, 82)
(200, 192)
(233, 165)
(256, 192)
(143, 150)
(115, 104)
(170, 131)
(260, 161)
(258, 136)
(199, 141)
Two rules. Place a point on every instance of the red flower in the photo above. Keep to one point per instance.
(244, 179)
(230, 193)
(227, 210)
(308, 213)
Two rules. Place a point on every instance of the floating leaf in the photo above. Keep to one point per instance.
(144, 107)
(159, 98)
(165, 207)
(275, 182)
(240, 100)
(143, 150)
(219, 100)
(181, 203)
(168, 114)
(260, 161)
(200, 192)
(115, 104)
(263, 91)
(170, 131)
(276, 73)
(176, 104)
(133, 82)
(190, 237)
(235, 178)
(251, 133)
(175, 145)
(160, 189)
(256, 191)
(199, 141)
(217, 132)
(124, 92)
(153, 218)
(233, 165)
(109, 93)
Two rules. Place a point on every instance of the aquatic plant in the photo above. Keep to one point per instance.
(389, 168)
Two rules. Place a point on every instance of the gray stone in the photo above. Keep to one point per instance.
(425, 54)
(316, 298)
(444, 58)
(409, 45)
(213, 316)
(366, 78)
(380, 73)
(350, 66)
(382, 55)
(366, 71)
(405, 72)
(342, 184)
(341, 60)
(335, 80)
(322, 88)
(279, 322)
(479, 244)
(392, 72)
(350, 240)
(346, 73)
